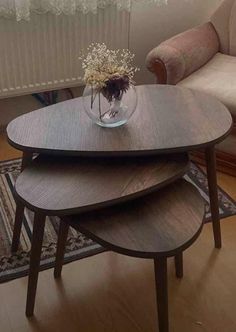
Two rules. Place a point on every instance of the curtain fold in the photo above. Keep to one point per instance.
(21, 9)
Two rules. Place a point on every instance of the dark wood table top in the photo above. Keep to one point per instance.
(65, 185)
(162, 223)
(167, 119)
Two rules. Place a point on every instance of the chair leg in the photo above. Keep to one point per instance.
(162, 293)
(179, 270)
(36, 247)
(61, 243)
(17, 226)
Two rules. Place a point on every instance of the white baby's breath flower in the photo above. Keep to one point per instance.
(101, 64)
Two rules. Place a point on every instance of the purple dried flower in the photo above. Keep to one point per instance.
(115, 87)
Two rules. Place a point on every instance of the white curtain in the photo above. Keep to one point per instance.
(21, 9)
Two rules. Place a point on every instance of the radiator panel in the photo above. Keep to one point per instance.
(43, 54)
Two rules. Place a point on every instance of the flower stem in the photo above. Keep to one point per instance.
(99, 105)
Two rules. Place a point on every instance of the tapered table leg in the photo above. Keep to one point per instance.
(162, 293)
(61, 244)
(36, 247)
(17, 226)
(213, 194)
(26, 159)
(179, 270)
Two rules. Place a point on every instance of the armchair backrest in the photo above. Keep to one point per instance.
(224, 21)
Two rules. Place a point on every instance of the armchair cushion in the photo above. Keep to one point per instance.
(216, 78)
(185, 53)
(221, 21)
(224, 21)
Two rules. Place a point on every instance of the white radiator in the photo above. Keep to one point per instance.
(42, 54)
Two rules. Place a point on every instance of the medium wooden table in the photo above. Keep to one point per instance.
(69, 185)
(61, 186)
(168, 119)
(134, 206)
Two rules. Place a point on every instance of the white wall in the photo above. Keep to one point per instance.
(150, 25)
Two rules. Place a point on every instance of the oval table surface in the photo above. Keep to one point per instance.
(167, 119)
(65, 185)
(162, 223)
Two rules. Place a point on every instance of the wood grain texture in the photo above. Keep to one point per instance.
(110, 291)
(61, 245)
(36, 248)
(179, 267)
(160, 266)
(225, 155)
(26, 160)
(158, 68)
(213, 195)
(161, 224)
(7, 152)
(57, 186)
(167, 119)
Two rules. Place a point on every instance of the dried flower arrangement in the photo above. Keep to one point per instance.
(108, 71)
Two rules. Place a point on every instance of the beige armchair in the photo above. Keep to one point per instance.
(204, 59)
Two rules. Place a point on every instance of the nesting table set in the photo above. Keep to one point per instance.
(121, 187)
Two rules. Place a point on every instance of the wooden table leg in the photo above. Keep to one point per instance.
(213, 194)
(179, 270)
(61, 244)
(26, 159)
(17, 226)
(36, 247)
(162, 293)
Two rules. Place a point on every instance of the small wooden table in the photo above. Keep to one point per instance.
(168, 119)
(157, 226)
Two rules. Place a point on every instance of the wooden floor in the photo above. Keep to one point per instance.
(113, 293)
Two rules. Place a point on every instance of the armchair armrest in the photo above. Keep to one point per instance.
(183, 54)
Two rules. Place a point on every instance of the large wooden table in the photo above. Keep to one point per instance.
(168, 119)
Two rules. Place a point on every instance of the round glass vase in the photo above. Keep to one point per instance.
(107, 113)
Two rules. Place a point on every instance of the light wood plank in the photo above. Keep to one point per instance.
(6, 151)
